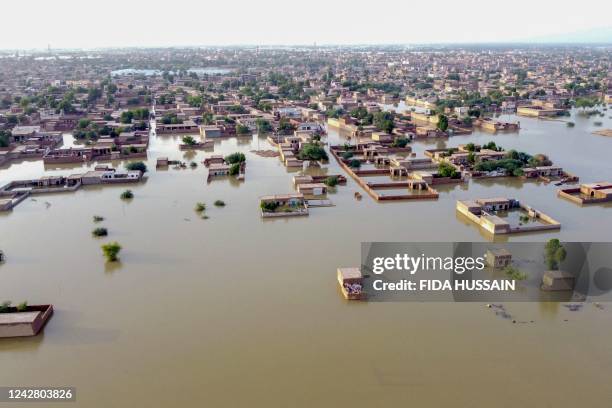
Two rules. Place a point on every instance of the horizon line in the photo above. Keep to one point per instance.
(316, 45)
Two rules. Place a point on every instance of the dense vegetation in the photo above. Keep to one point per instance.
(235, 158)
(312, 151)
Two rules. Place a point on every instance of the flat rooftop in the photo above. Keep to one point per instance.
(500, 252)
(350, 273)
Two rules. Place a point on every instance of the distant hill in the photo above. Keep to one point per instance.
(601, 35)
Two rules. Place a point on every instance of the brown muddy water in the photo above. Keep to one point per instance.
(237, 311)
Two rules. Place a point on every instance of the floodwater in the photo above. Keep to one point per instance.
(235, 311)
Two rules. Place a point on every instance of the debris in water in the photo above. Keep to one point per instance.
(573, 307)
(266, 153)
(500, 311)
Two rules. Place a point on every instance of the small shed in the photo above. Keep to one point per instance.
(218, 169)
(312, 188)
(351, 283)
(498, 258)
(558, 280)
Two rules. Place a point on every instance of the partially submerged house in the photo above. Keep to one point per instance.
(218, 169)
(558, 280)
(283, 205)
(491, 214)
(351, 283)
(498, 258)
(187, 126)
(28, 322)
(214, 159)
(315, 189)
(591, 193)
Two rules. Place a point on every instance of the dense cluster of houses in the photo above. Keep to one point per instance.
(443, 94)
(16, 191)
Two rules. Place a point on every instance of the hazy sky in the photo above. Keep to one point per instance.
(91, 24)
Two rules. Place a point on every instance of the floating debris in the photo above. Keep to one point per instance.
(573, 307)
(266, 153)
(320, 203)
(500, 311)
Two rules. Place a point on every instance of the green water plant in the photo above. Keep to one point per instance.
(514, 273)
(111, 251)
(99, 232)
(5, 307)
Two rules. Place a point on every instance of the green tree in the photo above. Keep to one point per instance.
(235, 158)
(5, 307)
(111, 251)
(384, 121)
(331, 181)
(442, 122)
(554, 254)
(312, 151)
(400, 142)
(242, 129)
(207, 118)
(268, 206)
(5, 136)
(263, 126)
(471, 157)
(285, 127)
(189, 140)
(347, 155)
(234, 169)
(138, 165)
(355, 164)
(83, 123)
(448, 170)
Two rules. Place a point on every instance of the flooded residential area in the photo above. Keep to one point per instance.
(193, 162)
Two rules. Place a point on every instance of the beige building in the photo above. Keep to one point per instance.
(498, 258)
